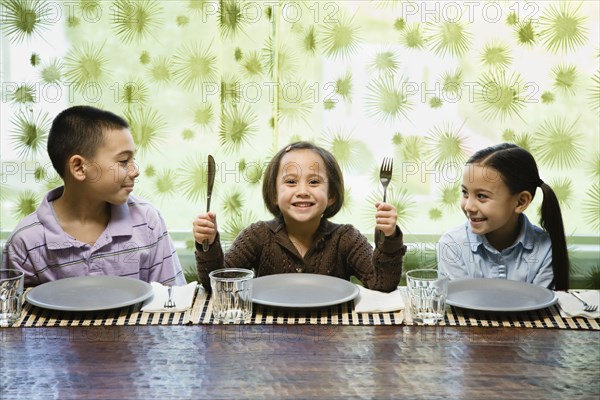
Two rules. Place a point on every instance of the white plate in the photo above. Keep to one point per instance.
(498, 295)
(302, 290)
(89, 293)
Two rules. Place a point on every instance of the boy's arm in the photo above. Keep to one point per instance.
(165, 266)
(14, 256)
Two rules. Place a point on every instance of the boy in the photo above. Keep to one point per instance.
(91, 225)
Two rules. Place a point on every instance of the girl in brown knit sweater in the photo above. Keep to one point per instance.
(303, 186)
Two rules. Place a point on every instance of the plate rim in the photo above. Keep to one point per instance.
(538, 306)
(109, 306)
(352, 296)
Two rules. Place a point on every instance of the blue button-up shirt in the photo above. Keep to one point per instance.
(464, 254)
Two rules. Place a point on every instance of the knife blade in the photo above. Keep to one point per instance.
(211, 182)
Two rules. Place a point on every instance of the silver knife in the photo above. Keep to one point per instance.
(211, 182)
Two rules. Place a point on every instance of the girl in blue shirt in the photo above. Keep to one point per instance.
(498, 241)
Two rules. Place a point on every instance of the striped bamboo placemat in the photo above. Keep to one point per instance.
(342, 314)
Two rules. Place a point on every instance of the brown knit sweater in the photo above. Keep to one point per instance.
(338, 250)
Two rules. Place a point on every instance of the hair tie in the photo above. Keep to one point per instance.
(288, 148)
(540, 183)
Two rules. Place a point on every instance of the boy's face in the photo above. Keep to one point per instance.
(111, 172)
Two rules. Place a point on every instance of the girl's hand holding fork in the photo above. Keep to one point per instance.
(386, 218)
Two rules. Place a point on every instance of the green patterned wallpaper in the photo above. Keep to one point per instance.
(427, 82)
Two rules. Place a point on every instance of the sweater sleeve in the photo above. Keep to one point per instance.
(378, 269)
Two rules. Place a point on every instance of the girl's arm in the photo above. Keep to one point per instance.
(380, 269)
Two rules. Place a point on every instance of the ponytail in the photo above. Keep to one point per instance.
(551, 221)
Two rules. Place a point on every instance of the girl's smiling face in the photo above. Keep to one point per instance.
(302, 186)
(488, 203)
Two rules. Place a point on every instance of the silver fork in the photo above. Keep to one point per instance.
(170, 303)
(385, 176)
(586, 306)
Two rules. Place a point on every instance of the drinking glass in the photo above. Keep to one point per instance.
(11, 295)
(427, 292)
(231, 295)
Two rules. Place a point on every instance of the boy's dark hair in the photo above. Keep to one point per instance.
(519, 172)
(335, 179)
(79, 130)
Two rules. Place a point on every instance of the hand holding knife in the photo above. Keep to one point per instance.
(211, 181)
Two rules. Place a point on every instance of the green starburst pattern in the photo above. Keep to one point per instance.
(252, 65)
(411, 148)
(594, 92)
(231, 89)
(594, 166)
(399, 24)
(526, 141)
(233, 225)
(182, 20)
(435, 102)
(558, 144)
(251, 171)
(401, 199)
(512, 19)
(343, 147)
(233, 202)
(591, 207)
(204, 116)
(23, 94)
(194, 66)
(385, 62)
(495, 55)
(343, 86)
(145, 58)
(86, 65)
(435, 214)
(29, 132)
(295, 102)
(188, 134)
(52, 72)
(200, 6)
(386, 99)
(450, 195)
(445, 146)
(449, 37)
(165, 184)
(24, 19)
(340, 39)
(146, 126)
(236, 128)
(193, 178)
(547, 97)
(35, 59)
(232, 18)
(150, 171)
(452, 81)
(565, 78)
(309, 40)
(160, 71)
(397, 139)
(563, 188)
(73, 21)
(27, 202)
(499, 95)
(287, 61)
(508, 135)
(562, 28)
(238, 54)
(525, 33)
(134, 20)
(329, 104)
(134, 93)
(413, 37)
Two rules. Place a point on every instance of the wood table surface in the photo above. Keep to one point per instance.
(298, 362)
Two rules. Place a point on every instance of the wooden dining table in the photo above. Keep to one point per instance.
(298, 362)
